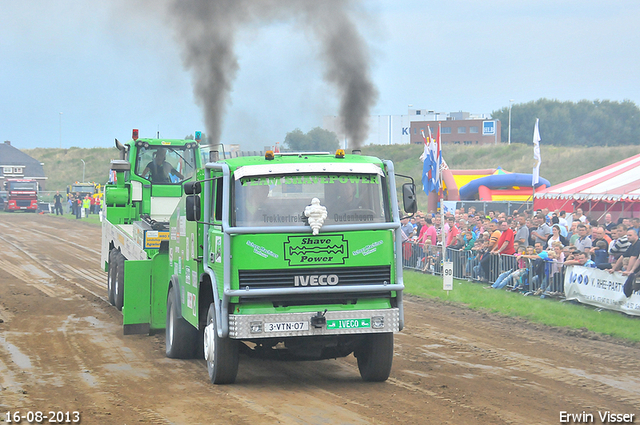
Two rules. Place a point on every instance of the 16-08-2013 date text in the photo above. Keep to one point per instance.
(42, 417)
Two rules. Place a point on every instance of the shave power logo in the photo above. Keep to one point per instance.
(316, 250)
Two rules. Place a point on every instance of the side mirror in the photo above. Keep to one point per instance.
(193, 208)
(409, 198)
(192, 188)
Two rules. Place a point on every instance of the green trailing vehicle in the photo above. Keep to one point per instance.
(286, 256)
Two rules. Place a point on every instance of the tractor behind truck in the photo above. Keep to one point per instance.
(286, 256)
(139, 203)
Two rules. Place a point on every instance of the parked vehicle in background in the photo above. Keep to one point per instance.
(22, 195)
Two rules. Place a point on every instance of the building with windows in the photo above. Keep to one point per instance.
(15, 164)
(458, 127)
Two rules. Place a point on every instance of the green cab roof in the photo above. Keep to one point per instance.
(300, 159)
(162, 142)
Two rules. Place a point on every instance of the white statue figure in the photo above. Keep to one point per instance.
(317, 214)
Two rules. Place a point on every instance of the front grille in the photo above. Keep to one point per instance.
(286, 278)
(23, 202)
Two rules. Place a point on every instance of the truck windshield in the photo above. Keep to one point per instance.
(23, 186)
(165, 164)
(82, 188)
(280, 201)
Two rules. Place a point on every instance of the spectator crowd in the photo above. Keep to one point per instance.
(525, 251)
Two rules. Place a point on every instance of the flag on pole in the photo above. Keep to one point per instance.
(536, 155)
(438, 161)
(427, 165)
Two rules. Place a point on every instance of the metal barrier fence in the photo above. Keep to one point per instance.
(535, 276)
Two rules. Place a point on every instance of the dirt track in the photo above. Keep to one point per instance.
(62, 349)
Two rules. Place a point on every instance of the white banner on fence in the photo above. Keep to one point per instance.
(600, 288)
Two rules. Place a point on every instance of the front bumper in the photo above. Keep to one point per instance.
(243, 326)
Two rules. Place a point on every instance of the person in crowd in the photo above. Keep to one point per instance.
(583, 243)
(452, 232)
(72, 203)
(556, 221)
(620, 244)
(579, 214)
(542, 232)
(556, 236)
(608, 224)
(86, 205)
(599, 233)
(505, 242)
(78, 201)
(562, 219)
(511, 276)
(600, 255)
(437, 223)
(522, 233)
(419, 223)
(473, 267)
(538, 267)
(636, 224)
(58, 203)
(406, 229)
(577, 258)
(427, 233)
(414, 223)
(485, 263)
(572, 236)
(627, 261)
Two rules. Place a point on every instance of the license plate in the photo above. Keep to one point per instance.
(349, 324)
(286, 326)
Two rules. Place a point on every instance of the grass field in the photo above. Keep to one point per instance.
(548, 311)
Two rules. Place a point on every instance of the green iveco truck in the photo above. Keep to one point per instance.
(288, 256)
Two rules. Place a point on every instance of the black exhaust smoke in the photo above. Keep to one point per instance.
(206, 30)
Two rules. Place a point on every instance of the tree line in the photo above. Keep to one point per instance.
(585, 123)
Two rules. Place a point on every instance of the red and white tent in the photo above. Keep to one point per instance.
(614, 189)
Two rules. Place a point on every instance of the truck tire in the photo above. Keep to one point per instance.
(375, 356)
(181, 339)
(110, 279)
(119, 281)
(221, 354)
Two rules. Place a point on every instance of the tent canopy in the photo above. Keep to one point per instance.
(616, 182)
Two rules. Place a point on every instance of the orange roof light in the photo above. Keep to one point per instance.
(340, 153)
(268, 155)
(134, 134)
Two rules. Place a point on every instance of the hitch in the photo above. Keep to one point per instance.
(318, 321)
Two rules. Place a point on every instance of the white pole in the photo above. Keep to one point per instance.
(83, 164)
(510, 101)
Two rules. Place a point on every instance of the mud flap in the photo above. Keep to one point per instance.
(136, 314)
(145, 294)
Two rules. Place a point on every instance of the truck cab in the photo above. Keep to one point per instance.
(290, 256)
(22, 195)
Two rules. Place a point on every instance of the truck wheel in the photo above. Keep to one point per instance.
(221, 354)
(119, 281)
(375, 356)
(181, 339)
(111, 277)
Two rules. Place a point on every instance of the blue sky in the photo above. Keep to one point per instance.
(109, 67)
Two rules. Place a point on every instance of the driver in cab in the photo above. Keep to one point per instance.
(347, 197)
(159, 169)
